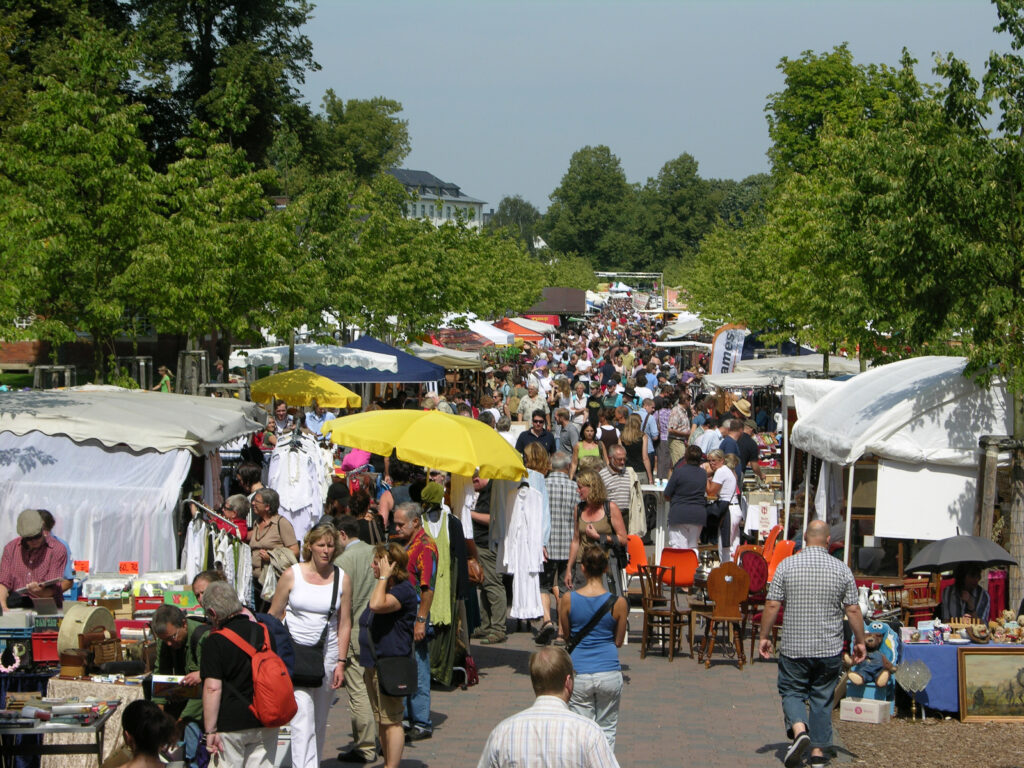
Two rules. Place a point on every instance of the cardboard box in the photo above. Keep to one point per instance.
(864, 710)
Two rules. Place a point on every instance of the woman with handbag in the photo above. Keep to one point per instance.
(598, 521)
(385, 637)
(721, 492)
(309, 595)
(595, 621)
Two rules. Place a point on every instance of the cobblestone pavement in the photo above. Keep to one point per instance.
(672, 714)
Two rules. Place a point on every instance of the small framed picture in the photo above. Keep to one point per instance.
(991, 681)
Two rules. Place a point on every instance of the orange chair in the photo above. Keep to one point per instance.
(637, 557)
(684, 562)
(783, 549)
(769, 542)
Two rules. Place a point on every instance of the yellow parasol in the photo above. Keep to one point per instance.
(455, 444)
(301, 387)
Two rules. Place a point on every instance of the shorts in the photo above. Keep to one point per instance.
(387, 710)
(554, 574)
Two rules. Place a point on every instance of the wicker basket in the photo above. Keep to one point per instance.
(106, 650)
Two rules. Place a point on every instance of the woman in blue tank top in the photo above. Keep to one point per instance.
(597, 688)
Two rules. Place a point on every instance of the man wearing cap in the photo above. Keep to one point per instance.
(33, 562)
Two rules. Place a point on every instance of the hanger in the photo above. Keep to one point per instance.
(209, 513)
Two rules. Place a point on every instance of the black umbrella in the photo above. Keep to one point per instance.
(959, 550)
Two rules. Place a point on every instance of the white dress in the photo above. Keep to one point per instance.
(524, 553)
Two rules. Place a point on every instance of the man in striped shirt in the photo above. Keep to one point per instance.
(548, 734)
(817, 590)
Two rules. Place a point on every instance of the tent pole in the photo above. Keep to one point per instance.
(849, 515)
(807, 491)
(788, 477)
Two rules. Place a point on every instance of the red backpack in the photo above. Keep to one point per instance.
(273, 697)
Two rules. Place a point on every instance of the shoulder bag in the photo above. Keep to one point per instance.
(396, 675)
(309, 659)
(574, 640)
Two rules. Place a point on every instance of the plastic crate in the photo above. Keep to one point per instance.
(146, 603)
(44, 648)
(120, 624)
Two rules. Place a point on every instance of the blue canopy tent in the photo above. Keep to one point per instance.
(411, 370)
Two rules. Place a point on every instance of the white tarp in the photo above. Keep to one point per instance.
(837, 366)
(684, 325)
(683, 345)
(448, 358)
(928, 502)
(141, 420)
(918, 411)
(536, 326)
(619, 287)
(314, 354)
(807, 392)
(111, 504)
(494, 335)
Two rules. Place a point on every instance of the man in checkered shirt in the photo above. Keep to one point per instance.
(564, 497)
(817, 590)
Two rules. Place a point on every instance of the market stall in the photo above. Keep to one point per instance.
(109, 465)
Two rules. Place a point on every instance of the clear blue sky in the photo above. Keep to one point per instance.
(498, 95)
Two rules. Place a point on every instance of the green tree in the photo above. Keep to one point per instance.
(675, 211)
(592, 211)
(519, 217)
(363, 136)
(78, 197)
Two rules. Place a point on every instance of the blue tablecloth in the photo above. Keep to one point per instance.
(942, 692)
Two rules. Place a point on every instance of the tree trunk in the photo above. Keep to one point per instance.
(1016, 542)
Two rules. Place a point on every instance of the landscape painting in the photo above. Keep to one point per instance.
(991, 683)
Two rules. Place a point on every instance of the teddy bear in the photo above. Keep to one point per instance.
(876, 667)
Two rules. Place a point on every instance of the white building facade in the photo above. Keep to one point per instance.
(438, 201)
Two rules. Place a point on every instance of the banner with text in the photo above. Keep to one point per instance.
(727, 348)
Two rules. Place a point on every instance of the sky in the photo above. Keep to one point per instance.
(498, 94)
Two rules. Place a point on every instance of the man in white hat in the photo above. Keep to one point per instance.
(32, 564)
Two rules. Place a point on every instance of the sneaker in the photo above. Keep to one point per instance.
(493, 640)
(818, 761)
(796, 750)
(545, 633)
(418, 733)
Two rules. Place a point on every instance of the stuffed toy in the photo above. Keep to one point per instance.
(876, 667)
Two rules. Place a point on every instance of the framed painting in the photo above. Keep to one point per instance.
(991, 683)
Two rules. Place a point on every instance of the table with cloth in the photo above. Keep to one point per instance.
(84, 689)
(943, 691)
(658, 535)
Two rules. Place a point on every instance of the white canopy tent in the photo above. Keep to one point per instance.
(619, 287)
(684, 325)
(921, 418)
(740, 380)
(109, 465)
(494, 335)
(313, 355)
(448, 358)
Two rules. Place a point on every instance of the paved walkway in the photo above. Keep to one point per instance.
(674, 713)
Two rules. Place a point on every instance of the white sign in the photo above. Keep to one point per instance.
(727, 349)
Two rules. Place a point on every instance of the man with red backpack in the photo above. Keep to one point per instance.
(246, 687)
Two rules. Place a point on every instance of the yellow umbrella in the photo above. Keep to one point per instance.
(454, 444)
(301, 387)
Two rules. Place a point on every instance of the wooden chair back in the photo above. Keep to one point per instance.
(728, 586)
(783, 549)
(769, 542)
(637, 554)
(653, 579)
(918, 590)
(684, 563)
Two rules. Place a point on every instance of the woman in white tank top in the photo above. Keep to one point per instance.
(303, 601)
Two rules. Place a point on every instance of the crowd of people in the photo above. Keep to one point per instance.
(410, 565)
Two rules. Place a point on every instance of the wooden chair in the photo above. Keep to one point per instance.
(663, 618)
(728, 587)
(684, 563)
(757, 569)
(769, 542)
(783, 549)
(637, 557)
(918, 601)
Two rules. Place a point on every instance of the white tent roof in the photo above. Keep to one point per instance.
(141, 420)
(448, 358)
(837, 366)
(489, 332)
(314, 354)
(916, 411)
(534, 325)
(806, 393)
(741, 380)
(619, 287)
(682, 326)
(683, 345)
